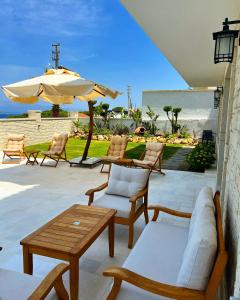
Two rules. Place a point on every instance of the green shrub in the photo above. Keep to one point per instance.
(202, 157)
(120, 129)
(99, 128)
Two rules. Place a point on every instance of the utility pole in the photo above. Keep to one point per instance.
(129, 100)
(55, 58)
(55, 54)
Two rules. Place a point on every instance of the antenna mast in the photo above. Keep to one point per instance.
(129, 100)
(55, 54)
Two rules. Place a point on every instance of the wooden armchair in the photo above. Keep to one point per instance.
(151, 158)
(121, 275)
(57, 149)
(15, 286)
(116, 151)
(14, 147)
(129, 206)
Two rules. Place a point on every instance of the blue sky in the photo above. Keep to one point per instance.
(99, 40)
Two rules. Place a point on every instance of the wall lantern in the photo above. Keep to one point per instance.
(224, 42)
(217, 96)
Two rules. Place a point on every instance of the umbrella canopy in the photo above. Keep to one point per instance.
(57, 86)
(60, 86)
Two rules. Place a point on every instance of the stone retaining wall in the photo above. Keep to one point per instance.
(36, 130)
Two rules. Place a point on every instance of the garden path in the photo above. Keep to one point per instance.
(178, 160)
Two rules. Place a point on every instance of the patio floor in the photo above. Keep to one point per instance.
(32, 195)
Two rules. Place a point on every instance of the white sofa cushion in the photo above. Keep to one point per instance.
(121, 204)
(204, 199)
(126, 182)
(156, 255)
(200, 252)
(19, 286)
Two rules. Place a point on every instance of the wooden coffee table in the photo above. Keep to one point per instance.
(67, 237)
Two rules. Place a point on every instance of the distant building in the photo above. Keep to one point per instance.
(197, 105)
(82, 115)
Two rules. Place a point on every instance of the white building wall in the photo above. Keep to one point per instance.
(230, 185)
(197, 113)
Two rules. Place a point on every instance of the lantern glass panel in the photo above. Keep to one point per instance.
(224, 45)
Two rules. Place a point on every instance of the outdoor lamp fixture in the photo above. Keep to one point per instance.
(217, 96)
(224, 42)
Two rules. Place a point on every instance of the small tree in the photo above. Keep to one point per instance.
(153, 116)
(105, 114)
(136, 115)
(173, 118)
(55, 111)
(98, 110)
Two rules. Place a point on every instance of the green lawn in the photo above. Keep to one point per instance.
(75, 148)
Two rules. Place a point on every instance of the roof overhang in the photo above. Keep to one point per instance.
(182, 30)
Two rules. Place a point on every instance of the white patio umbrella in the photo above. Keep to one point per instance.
(60, 86)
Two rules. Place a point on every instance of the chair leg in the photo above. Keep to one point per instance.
(57, 161)
(131, 235)
(43, 160)
(146, 215)
(106, 172)
(3, 157)
(101, 171)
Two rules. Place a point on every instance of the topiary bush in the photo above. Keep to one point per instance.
(202, 157)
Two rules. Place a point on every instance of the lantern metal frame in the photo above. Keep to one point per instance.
(217, 96)
(220, 36)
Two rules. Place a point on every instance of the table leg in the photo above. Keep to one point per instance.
(27, 261)
(27, 156)
(111, 237)
(35, 158)
(74, 278)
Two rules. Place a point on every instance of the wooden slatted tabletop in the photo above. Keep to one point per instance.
(68, 236)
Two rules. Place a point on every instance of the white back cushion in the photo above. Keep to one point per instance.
(126, 182)
(204, 199)
(200, 252)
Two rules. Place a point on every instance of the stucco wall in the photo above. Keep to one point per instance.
(230, 186)
(197, 113)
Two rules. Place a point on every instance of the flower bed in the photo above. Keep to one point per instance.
(172, 139)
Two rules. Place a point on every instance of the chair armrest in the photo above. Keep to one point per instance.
(53, 279)
(173, 292)
(97, 189)
(169, 211)
(139, 195)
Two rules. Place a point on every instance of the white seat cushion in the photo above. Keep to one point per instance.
(156, 255)
(200, 252)
(19, 286)
(126, 182)
(121, 204)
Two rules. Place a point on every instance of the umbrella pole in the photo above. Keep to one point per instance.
(90, 131)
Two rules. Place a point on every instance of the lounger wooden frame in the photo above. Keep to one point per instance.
(13, 153)
(120, 274)
(133, 215)
(109, 162)
(56, 157)
(157, 166)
